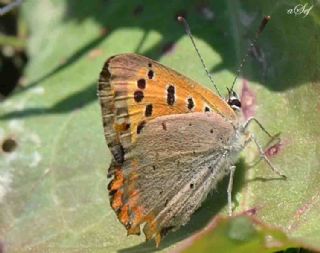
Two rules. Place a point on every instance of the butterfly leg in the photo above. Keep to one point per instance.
(275, 139)
(264, 157)
(260, 149)
(229, 191)
(252, 119)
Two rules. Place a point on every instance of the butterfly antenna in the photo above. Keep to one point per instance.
(263, 23)
(188, 31)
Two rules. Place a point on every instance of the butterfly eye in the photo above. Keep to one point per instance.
(234, 101)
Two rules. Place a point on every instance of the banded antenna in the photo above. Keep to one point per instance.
(188, 31)
(9, 7)
(263, 23)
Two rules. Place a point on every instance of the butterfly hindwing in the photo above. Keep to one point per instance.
(170, 169)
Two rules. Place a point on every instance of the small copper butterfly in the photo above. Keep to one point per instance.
(171, 139)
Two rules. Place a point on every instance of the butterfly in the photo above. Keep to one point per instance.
(171, 141)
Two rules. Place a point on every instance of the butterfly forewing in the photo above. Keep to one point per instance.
(134, 89)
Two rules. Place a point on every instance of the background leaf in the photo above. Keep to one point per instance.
(53, 184)
(238, 234)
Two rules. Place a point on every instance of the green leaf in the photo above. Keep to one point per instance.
(53, 193)
(239, 234)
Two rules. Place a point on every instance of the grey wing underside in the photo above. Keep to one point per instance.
(174, 197)
(179, 159)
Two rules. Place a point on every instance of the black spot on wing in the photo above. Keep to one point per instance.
(148, 111)
(118, 153)
(171, 97)
(190, 103)
(138, 96)
(150, 74)
(141, 83)
(140, 126)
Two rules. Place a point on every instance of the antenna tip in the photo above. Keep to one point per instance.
(264, 21)
(180, 18)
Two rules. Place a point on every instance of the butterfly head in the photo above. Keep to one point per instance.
(233, 100)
